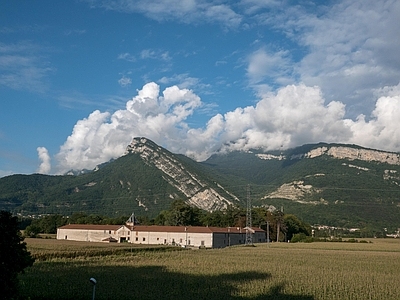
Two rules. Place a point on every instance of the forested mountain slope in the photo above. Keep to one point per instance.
(330, 184)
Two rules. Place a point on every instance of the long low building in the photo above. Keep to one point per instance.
(185, 236)
(94, 233)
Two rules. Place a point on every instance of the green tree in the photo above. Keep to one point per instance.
(50, 223)
(162, 218)
(182, 214)
(46, 224)
(264, 219)
(32, 231)
(259, 217)
(294, 226)
(212, 219)
(233, 216)
(14, 257)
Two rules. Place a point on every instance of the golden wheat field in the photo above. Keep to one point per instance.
(267, 271)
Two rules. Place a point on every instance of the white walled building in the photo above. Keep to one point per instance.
(185, 236)
(94, 233)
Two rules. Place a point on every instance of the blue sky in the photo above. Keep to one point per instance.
(80, 79)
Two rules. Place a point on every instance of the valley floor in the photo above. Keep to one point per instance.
(267, 271)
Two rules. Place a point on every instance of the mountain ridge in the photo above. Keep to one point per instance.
(330, 184)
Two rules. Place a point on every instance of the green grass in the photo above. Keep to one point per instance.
(275, 271)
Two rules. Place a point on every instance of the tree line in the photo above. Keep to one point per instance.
(281, 226)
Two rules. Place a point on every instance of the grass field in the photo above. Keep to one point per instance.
(274, 271)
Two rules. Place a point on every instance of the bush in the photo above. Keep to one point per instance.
(303, 238)
(32, 231)
(352, 241)
(298, 237)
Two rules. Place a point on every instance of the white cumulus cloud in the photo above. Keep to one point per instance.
(351, 49)
(292, 116)
(263, 64)
(44, 157)
(382, 131)
(103, 136)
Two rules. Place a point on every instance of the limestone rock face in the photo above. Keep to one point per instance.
(342, 152)
(298, 192)
(199, 193)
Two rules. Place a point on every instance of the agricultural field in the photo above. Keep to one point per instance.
(267, 271)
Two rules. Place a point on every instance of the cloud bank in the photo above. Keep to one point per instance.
(292, 116)
(338, 82)
(351, 49)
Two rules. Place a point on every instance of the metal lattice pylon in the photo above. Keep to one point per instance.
(249, 233)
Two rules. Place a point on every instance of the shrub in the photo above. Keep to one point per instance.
(298, 237)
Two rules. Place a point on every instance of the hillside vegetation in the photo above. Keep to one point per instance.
(335, 185)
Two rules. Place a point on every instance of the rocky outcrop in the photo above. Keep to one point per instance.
(341, 152)
(198, 192)
(270, 156)
(350, 153)
(296, 191)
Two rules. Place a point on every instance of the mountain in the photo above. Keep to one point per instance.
(329, 184)
(146, 179)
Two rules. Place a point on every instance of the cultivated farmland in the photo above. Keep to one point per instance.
(275, 271)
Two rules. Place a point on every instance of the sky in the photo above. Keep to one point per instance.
(80, 79)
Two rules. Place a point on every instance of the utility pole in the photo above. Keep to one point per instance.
(249, 234)
(279, 222)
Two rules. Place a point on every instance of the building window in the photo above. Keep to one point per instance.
(109, 232)
(144, 239)
(202, 243)
(129, 232)
(158, 239)
(66, 237)
(180, 240)
(137, 239)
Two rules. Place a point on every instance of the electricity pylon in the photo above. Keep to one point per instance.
(249, 233)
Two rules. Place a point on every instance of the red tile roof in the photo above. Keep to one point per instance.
(157, 228)
(91, 227)
(191, 229)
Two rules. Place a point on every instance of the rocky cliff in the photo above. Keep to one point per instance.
(298, 191)
(198, 192)
(342, 152)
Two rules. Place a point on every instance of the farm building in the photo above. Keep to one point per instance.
(185, 236)
(93, 233)
(194, 236)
